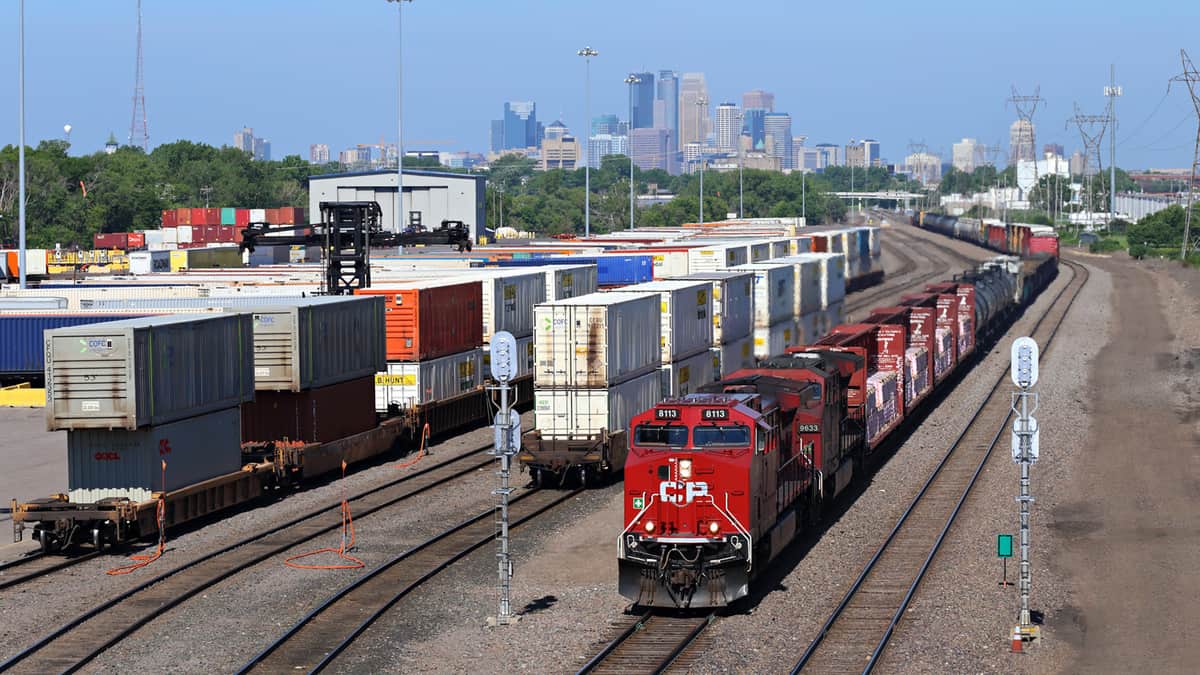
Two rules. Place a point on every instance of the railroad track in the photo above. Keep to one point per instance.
(30, 567)
(650, 644)
(316, 640)
(77, 642)
(907, 279)
(858, 630)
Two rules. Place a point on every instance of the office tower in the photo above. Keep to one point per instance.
(559, 149)
(729, 127)
(827, 155)
(520, 125)
(752, 126)
(1020, 141)
(603, 145)
(758, 98)
(244, 140)
(496, 136)
(606, 124)
(262, 149)
(668, 94)
(1053, 150)
(642, 99)
(651, 149)
(777, 130)
(856, 156)
(694, 120)
(871, 152)
(318, 153)
(967, 154)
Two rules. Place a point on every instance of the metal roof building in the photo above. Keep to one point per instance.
(429, 196)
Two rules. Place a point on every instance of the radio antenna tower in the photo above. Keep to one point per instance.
(1026, 106)
(1190, 77)
(139, 129)
(1091, 130)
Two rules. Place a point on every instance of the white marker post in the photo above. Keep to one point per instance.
(507, 427)
(1025, 435)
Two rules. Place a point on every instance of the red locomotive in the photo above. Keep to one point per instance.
(718, 483)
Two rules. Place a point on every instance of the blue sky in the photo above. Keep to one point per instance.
(309, 71)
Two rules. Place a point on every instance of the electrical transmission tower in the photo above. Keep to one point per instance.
(1026, 106)
(139, 129)
(1191, 78)
(992, 154)
(1091, 130)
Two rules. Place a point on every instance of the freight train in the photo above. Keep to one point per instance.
(719, 482)
(1019, 239)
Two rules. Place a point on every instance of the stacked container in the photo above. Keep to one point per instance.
(831, 278)
(687, 333)
(774, 307)
(597, 360)
(134, 393)
(733, 319)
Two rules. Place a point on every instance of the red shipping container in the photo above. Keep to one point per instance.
(273, 217)
(168, 218)
(428, 319)
(225, 233)
(314, 415)
(212, 216)
(212, 234)
(110, 240)
(183, 216)
(291, 215)
(137, 240)
(241, 217)
(199, 217)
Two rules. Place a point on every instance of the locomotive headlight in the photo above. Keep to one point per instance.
(685, 468)
(714, 527)
(649, 526)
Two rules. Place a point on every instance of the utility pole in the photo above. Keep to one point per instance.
(1025, 434)
(1113, 92)
(1026, 106)
(507, 427)
(1191, 78)
(206, 192)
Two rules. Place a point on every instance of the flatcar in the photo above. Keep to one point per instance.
(718, 483)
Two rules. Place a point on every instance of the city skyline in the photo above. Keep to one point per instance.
(189, 93)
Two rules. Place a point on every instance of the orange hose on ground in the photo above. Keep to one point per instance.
(420, 453)
(342, 551)
(140, 561)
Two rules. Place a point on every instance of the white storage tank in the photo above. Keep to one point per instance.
(147, 371)
(733, 303)
(597, 340)
(686, 314)
(121, 463)
(774, 292)
(411, 384)
(583, 413)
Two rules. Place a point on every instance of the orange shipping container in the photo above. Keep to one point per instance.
(183, 216)
(430, 318)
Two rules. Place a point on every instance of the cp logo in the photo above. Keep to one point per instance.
(680, 493)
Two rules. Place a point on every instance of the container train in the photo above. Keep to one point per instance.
(719, 482)
(1019, 239)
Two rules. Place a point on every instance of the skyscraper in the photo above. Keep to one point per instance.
(827, 155)
(559, 149)
(777, 129)
(262, 149)
(694, 120)
(520, 124)
(496, 137)
(603, 145)
(729, 127)
(752, 126)
(668, 93)
(244, 140)
(651, 149)
(606, 124)
(856, 156)
(967, 155)
(1020, 141)
(318, 153)
(641, 97)
(871, 152)
(758, 98)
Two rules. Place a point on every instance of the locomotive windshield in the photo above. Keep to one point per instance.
(732, 436)
(660, 434)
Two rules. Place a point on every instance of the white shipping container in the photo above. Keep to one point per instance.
(734, 356)
(686, 376)
(686, 314)
(596, 340)
(667, 263)
(801, 244)
(410, 384)
(583, 413)
(832, 278)
(570, 281)
(148, 262)
(808, 282)
(170, 235)
(153, 238)
(184, 234)
(258, 215)
(266, 255)
(106, 464)
(715, 257)
(733, 304)
(780, 248)
(774, 340)
(87, 297)
(808, 327)
(525, 359)
(509, 296)
(774, 292)
(760, 251)
(876, 250)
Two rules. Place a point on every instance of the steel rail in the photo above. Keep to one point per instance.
(46, 564)
(640, 649)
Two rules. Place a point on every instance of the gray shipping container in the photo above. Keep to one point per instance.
(104, 464)
(147, 371)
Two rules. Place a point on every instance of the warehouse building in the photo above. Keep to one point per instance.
(429, 196)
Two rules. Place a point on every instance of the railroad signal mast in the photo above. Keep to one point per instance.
(1025, 435)
(507, 427)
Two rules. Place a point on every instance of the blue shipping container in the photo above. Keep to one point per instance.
(864, 243)
(611, 270)
(23, 347)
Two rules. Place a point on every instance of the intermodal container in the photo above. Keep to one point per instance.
(734, 356)
(136, 240)
(685, 376)
(183, 216)
(212, 234)
(119, 463)
(225, 233)
(508, 300)
(760, 251)
(241, 217)
(717, 256)
(686, 316)
(597, 340)
(583, 413)
(526, 358)
(570, 281)
(622, 270)
(169, 218)
(315, 415)
(212, 216)
(228, 216)
(199, 216)
(273, 217)
(89, 297)
(774, 292)
(22, 334)
(291, 215)
(147, 371)
(147, 262)
(410, 385)
(807, 271)
(117, 240)
(258, 215)
(774, 340)
(183, 233)
(832, 276)
(430, 318)
(733, 304)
